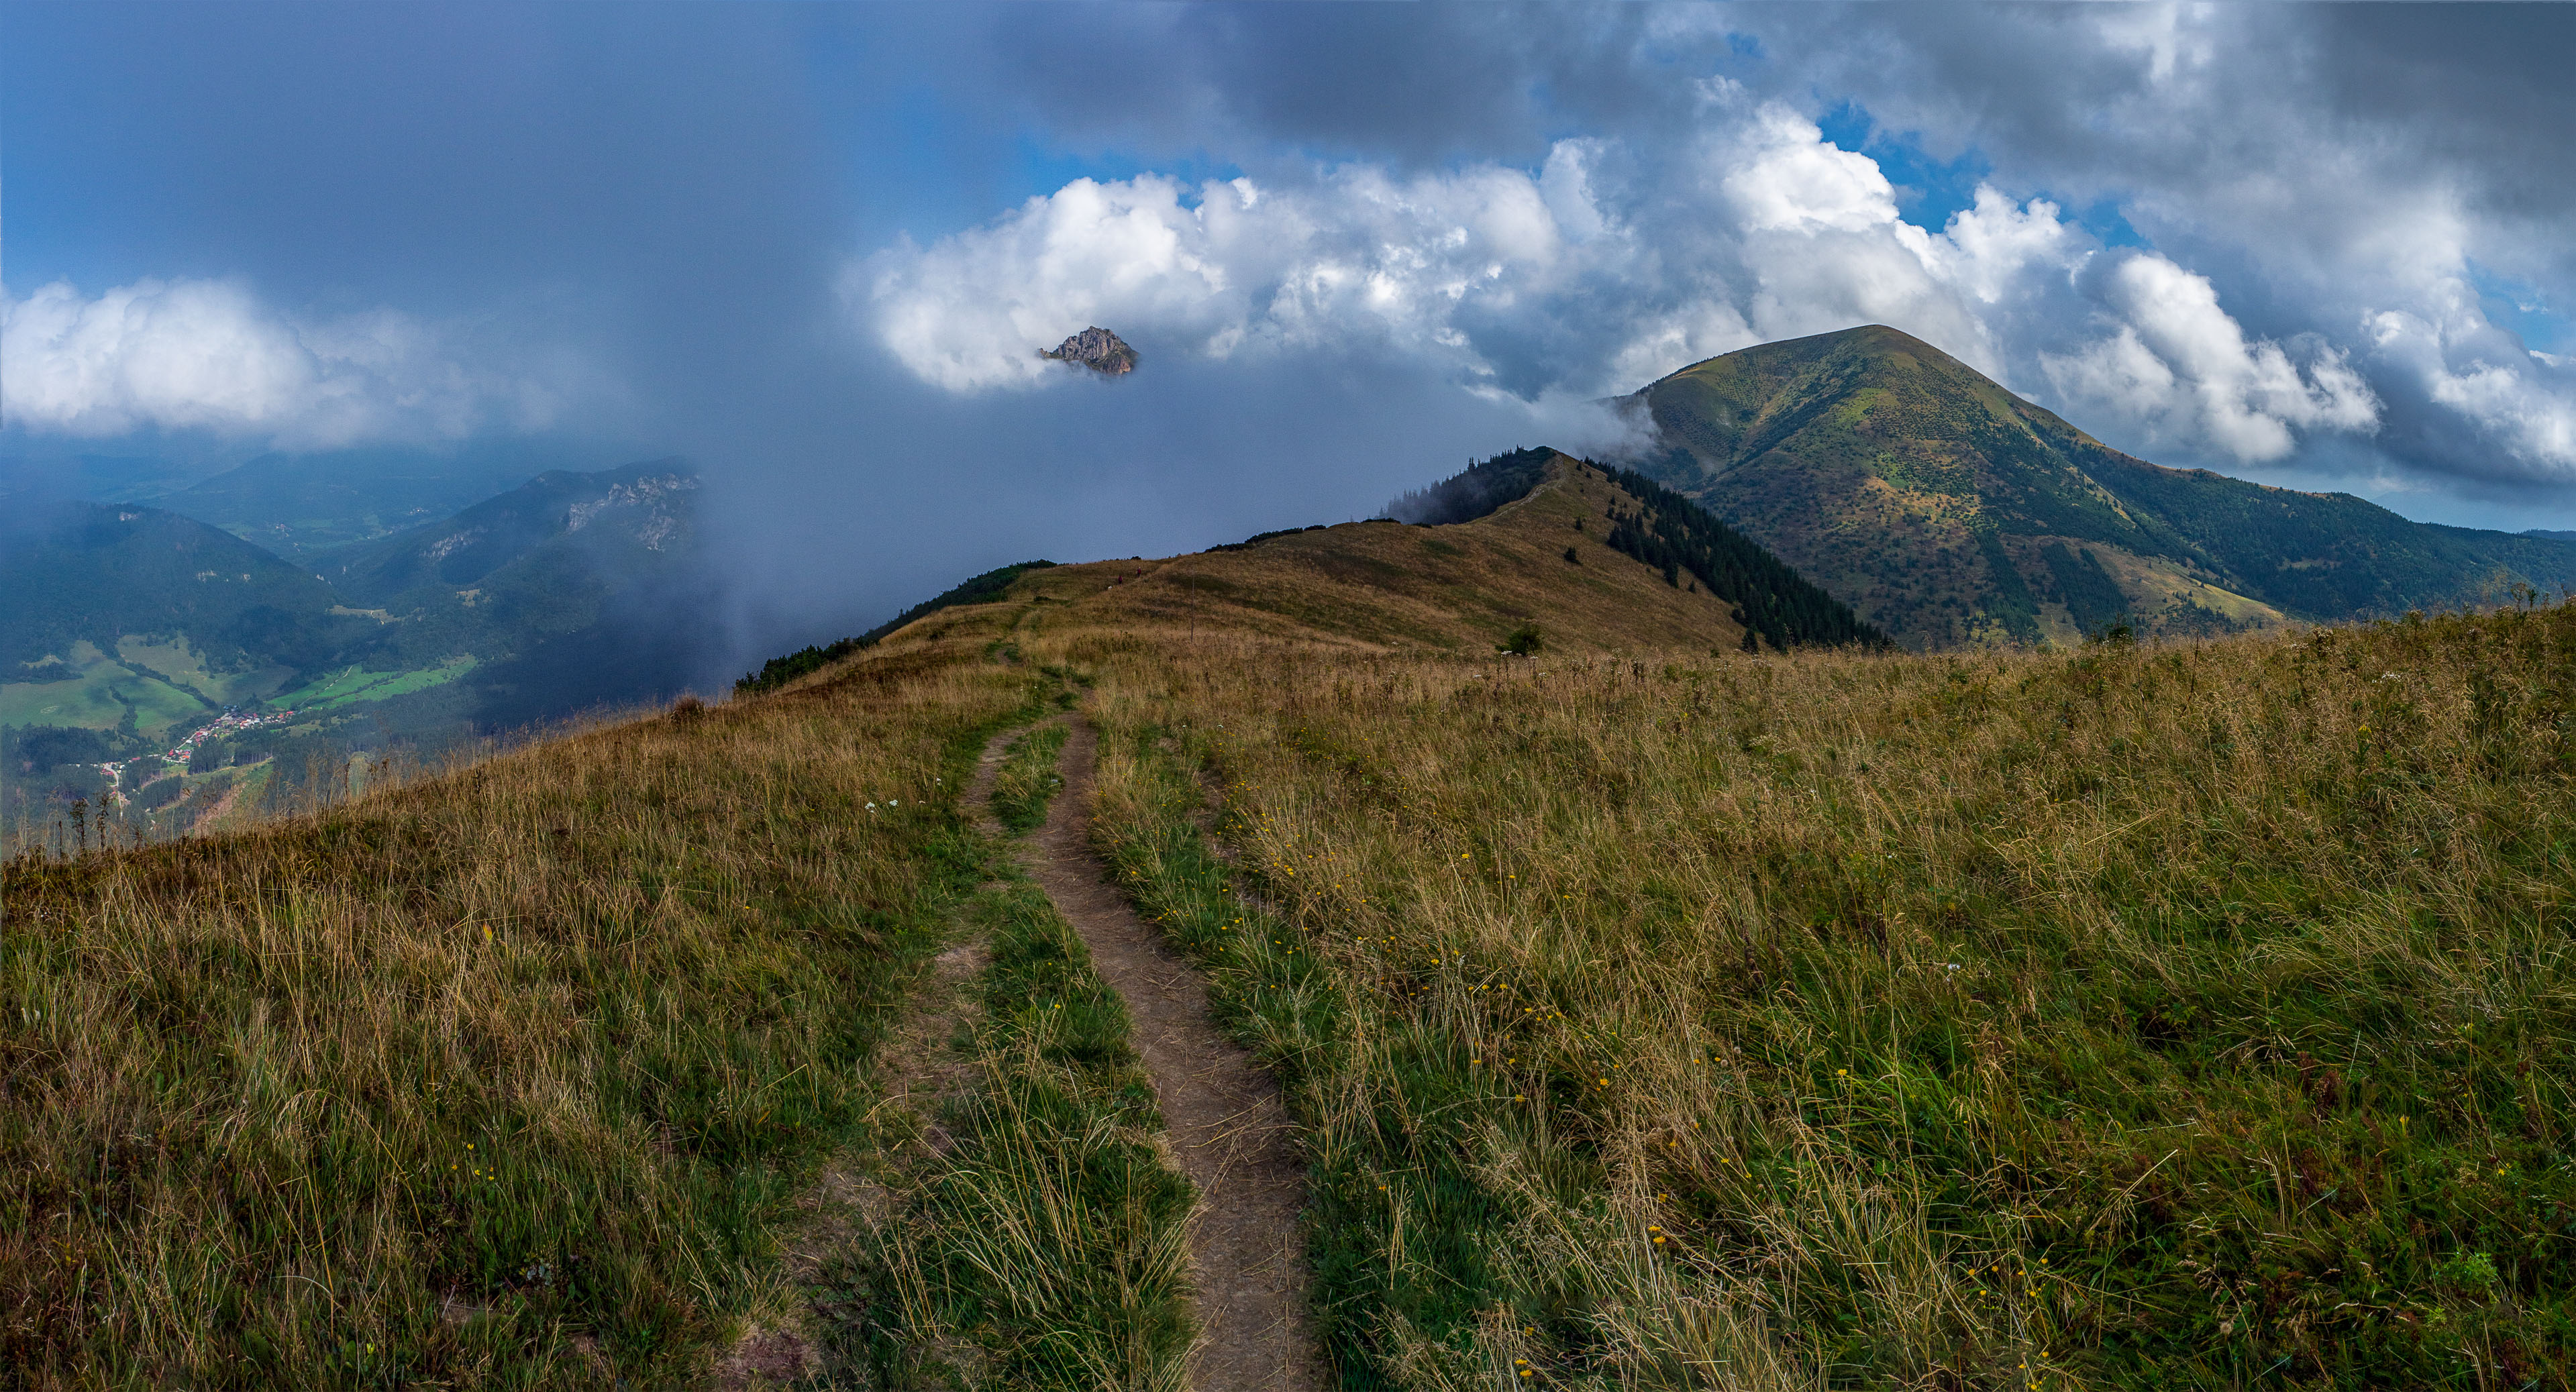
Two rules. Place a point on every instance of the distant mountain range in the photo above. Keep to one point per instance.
(300, 504)
(1949, 512)
(577, 589)
(554, 595)
(296, 504)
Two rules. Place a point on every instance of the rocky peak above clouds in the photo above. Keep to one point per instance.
(1098, 349)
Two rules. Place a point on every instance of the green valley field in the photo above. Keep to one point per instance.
(1651, 1009)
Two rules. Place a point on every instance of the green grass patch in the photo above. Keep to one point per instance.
(2140, 1018)
(1398, 1223)
(351, 685)
(101, 698)
(1028, 780)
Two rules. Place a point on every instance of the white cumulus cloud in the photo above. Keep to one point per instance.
(1610, 274)
(1220, 268)
(207, 355)
(2180, 367)
(2521, 402)
(1602, 270)
(1781, 174)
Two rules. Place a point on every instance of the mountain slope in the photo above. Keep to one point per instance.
(135, 617)
(1949, 511)
(562, 589)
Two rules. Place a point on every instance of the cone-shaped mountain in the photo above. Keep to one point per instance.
(1949, 512)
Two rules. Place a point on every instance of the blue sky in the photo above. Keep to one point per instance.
(815, 246)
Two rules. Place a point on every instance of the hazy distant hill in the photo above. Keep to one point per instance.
(629, 519)
(541, 559)
(299, 504)
(1949, 511)
(97, 478)
(564, 587)
(554, 596)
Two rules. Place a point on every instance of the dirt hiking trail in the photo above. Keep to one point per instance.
(1227, 1124)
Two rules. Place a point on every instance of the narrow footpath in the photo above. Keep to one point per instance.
(1227, 1124)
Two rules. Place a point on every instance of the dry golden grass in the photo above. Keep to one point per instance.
(2154, 1017)
(497, 1080)
(1381, 585)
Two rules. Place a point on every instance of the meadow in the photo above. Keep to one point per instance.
(2135, 1017)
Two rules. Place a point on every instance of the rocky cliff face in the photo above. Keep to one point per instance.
(1098, 349)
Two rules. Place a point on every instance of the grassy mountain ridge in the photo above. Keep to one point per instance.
(1542, 559)
(1951, 512)
(979, 589)
(1476, 491)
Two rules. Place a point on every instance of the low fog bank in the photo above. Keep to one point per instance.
(871, 503)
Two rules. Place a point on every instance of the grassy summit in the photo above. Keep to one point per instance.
(1543, 558)
(1950, 512)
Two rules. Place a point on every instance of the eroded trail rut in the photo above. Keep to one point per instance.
(1227, 1124)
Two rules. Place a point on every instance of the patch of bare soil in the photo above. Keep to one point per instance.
(767, 1357)
(1227, 1124)
(212, 818)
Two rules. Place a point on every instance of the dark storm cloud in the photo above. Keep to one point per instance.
(1412, 85)
(2482, 89)
(406, 152)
